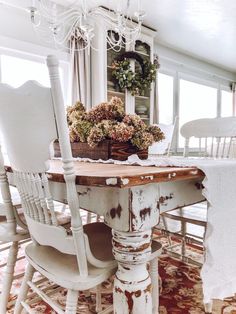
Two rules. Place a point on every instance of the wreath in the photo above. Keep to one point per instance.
(136, 82)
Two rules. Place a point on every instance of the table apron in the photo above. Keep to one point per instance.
(134, 208)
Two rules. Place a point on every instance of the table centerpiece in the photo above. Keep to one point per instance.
(106, 131)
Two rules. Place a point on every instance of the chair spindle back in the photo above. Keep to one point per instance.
(215, 136)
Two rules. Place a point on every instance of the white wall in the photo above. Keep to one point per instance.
(17, 33)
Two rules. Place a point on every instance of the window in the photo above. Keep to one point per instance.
(16, 71)
(165, 93)
(196, 101)
(226, 104)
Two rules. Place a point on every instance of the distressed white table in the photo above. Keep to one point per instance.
(130, 198)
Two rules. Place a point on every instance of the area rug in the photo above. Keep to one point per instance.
(180, 291)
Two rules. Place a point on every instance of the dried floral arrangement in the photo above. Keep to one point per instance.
(109, 121)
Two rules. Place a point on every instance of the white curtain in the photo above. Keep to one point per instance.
(234, 98)
(80, 73)
(156, 97)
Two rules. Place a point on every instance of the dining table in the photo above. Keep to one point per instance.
(130, 198)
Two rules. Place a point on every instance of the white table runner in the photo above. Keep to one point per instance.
(219, 269)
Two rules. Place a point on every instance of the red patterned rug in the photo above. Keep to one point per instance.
(180, 291)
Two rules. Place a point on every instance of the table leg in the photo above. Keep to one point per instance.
(132, 284)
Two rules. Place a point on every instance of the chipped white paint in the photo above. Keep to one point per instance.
(194, 172)
(132, 284)
(147, 178)
(144, 206)
(125, 181)
(171, 175)
(111, 181)
(179, 194)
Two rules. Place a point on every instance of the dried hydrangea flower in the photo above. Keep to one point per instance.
(122, 132)
(142, 140)
(114, 110)
(95, 136)
(158, 135)
(73, 135)
(74, 116)
(82, 129)
(75, 112)
(106, 127)
(135, 121)
(117, 106)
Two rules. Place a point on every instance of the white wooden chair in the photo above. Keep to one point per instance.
(29, 123)
(164, 148)
(215, 139)
(72, 259)
(12, 232)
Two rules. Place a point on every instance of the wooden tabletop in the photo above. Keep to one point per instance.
(98, 174)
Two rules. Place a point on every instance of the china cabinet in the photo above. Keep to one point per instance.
(103, 85)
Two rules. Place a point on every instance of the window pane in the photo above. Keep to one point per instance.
(16, 71)
(226, 104)
(196, 101)
(165, 93)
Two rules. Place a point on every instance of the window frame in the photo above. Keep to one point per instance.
(198, 79)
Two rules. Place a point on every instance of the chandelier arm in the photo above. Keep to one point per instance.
(68, 34)
(73, 22)
(99, 13)
(67, 20)
(63, 15)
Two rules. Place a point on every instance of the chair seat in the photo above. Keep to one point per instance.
(62, 268)
(100, 240)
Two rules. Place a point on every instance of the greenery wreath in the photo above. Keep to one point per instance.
(136, 82)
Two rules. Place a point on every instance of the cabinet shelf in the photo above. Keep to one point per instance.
(142, 97)
(116, 93)
(142, 53)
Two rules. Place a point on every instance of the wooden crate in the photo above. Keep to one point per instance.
(105, 150)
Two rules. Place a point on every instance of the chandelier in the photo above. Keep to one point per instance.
(78, 21)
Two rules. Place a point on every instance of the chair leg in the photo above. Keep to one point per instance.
(166, 228)
(71, 301)
(208, 307)
(183, 233)
(8, 277)
(98, 299)
(155, 285)
(89, 217)
(24, 289)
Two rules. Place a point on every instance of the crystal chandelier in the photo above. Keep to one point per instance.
(59, 23)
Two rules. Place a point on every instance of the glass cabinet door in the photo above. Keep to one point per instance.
(142, 102)
(112, 88)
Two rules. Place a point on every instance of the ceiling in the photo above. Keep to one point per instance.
(201, 28)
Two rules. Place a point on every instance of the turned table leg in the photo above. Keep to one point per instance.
(132, 285)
